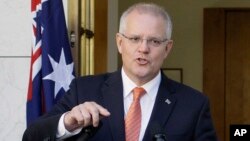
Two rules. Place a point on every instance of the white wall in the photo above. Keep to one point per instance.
(15, 43)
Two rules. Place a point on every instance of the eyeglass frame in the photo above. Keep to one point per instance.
(149, 41)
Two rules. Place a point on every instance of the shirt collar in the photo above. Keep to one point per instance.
(150, 87)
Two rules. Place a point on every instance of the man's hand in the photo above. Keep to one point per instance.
(83, 115)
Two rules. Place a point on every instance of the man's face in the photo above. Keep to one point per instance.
(142, 57)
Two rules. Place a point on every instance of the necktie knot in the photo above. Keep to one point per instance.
(138, 92)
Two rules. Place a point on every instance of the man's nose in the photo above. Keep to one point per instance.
(144, 47)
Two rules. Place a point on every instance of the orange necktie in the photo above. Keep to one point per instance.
(133, 118)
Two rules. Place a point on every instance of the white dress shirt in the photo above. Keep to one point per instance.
(147, 103)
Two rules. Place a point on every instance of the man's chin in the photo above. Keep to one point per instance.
(142, 75)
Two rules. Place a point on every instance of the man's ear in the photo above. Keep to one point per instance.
(119, 42)
(168, 47)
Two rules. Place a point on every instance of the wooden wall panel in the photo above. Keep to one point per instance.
(101, 36)
(226, 66)
(213, 68)
(237, 50)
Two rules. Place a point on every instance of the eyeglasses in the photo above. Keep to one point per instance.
(152, 42)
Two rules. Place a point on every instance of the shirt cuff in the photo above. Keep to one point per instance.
(62, 132)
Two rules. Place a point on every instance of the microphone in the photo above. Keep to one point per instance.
(88, 132)
(158, 133)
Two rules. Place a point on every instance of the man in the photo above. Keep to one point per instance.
(104, 106)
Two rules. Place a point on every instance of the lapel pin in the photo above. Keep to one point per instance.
(168, 101)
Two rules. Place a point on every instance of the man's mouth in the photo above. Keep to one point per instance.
(141, 61)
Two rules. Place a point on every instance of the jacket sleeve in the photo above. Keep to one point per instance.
(42, 129)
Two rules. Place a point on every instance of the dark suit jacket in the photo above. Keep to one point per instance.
(181, 112)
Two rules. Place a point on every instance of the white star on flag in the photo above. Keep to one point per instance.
(61, 74)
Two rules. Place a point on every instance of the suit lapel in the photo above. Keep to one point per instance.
(163, 107)
(113, 101)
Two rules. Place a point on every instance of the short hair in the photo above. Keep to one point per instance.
(147, 8)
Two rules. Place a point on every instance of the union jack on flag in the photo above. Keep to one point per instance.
(51, 69)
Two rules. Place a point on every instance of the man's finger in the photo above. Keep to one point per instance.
(103, 111)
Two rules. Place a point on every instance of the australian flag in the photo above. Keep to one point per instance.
(51, 69)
